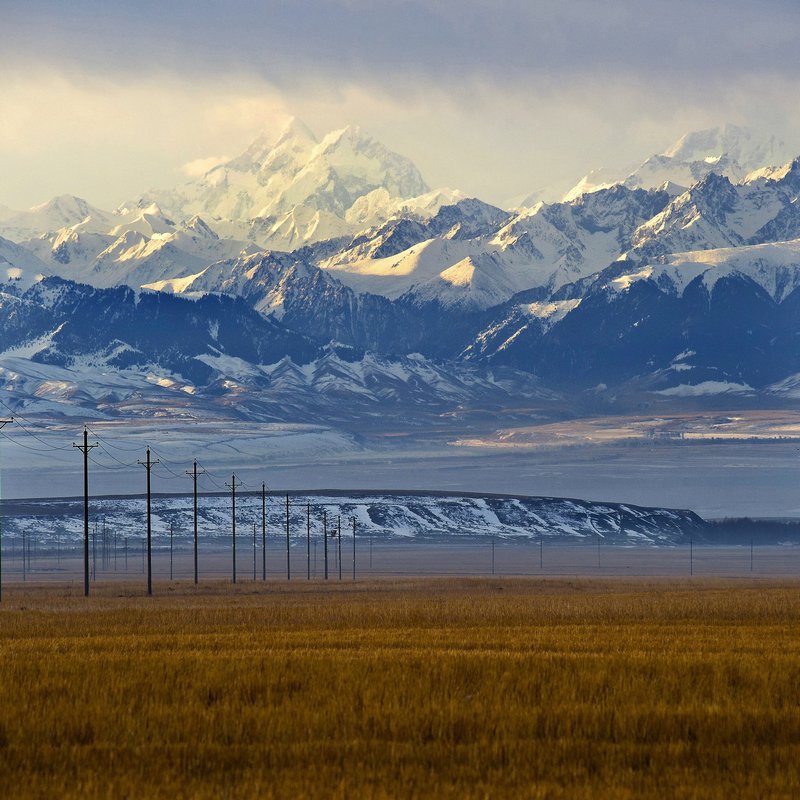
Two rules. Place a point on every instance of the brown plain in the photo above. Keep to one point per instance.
(453, 688)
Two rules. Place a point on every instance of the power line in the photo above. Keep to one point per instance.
(38, 438)
(114, 458)
(110, 467)
(165, 460)
(110, 439)
(19, 443)
(211, 476)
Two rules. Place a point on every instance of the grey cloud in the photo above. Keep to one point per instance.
(394, 43)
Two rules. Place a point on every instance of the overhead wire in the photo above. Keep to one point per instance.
(19, 443)
(114, 467)
(110, 439)
(106, 444)
(18, 417)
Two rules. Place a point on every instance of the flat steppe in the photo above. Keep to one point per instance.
(437, 687)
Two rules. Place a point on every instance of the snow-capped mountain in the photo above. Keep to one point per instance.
(142, 247)
(18, 265)
(299, 189)
(640, 290)
(116, 352)
(65, 211)
(718, 213)
(475, 256)
(709, 322)
(729, 150)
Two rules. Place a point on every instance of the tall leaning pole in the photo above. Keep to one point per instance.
(3, 423)
(85, 448)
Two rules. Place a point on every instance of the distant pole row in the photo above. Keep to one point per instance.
(148, 463)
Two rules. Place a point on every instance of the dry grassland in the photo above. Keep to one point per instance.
(420, 688)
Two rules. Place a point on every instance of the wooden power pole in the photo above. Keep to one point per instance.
(3, 423)
(288, 557)
(193, 475)
(85, 448)
(339, 545)
(325, 535)
(263, 531)
(233, 486)
(148, 464)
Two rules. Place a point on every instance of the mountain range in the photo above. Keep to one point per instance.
(307, 270)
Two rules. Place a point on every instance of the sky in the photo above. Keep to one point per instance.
(106, 99)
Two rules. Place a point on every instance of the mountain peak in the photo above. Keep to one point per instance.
(749, 148)
(352, 134)
(65, 202)
(295, 129)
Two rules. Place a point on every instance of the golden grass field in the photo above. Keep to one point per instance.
(420, 688)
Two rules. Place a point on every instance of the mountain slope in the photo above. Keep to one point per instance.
(474, 256)
(696, 323)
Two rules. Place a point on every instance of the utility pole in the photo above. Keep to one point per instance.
(325, 536)
(233, 486)
(308, 539)
(492, 554)
(170, 551)
(148, 464)
(288, 559)
(339, 546)
(354, 548)
(263, 531)
(254, 551)
(193, 475)
(3, 423)
(85, 448)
